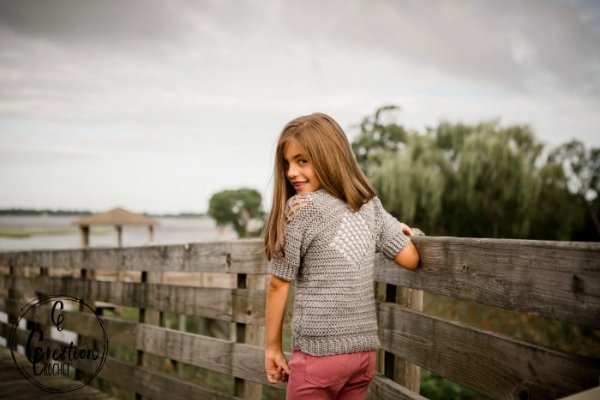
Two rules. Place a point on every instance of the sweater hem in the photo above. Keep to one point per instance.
(326, 347)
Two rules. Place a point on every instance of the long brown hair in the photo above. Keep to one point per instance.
(334, 165)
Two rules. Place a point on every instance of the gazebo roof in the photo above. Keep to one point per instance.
(116, 216)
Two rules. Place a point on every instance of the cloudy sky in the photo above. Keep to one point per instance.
(156, 105)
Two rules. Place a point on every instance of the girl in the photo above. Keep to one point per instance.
(324, 228)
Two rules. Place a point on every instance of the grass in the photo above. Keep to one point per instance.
(25, 233)
(29, 232)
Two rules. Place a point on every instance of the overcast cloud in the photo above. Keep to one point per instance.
(155, 105)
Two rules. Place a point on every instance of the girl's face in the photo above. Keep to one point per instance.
(298, 169)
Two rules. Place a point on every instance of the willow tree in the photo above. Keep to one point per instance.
(411, 182)
(481, 180)
(497, 181)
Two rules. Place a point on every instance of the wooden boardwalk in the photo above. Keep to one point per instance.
(14, 386)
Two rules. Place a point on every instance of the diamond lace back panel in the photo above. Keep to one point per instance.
(353, 237)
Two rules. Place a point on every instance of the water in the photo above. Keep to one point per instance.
(169, 231)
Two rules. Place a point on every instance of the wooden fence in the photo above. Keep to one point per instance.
(558, 280)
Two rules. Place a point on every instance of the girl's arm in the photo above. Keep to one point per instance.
(276, 366)
(408, 257)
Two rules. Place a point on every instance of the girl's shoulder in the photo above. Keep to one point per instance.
(306, 204)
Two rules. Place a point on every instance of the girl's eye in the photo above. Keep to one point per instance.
(302, 162)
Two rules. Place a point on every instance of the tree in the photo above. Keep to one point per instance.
(376, 139)
(481, 180)
(236, 207)
(582, 169)
(411, 183)
(496, 181)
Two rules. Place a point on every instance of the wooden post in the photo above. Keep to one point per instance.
(244, 333)
(84, 231)
(82, 340)
(153, 317)
(391, 366)
(119, 229)
(405, 373)
(380, 296)
(150, 233)
(14, 295)
(44, 328)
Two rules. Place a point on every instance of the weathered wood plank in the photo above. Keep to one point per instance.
(556, 279)
(236, 305)
(489, 363)
(248, 363)
(383, 388)
(459, 352)
(241, 360)
(406, 374)
(140, 380)
(244, 256)
(122, 333)
(205, 302)
(154, 385)
(201, 351)
(14, 386)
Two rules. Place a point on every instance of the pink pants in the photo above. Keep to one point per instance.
(339, 376)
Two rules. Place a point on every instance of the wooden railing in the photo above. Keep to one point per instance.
(558, 280)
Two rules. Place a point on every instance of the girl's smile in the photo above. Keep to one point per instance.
(298, 168)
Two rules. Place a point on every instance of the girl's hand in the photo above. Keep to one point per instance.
(406, 229)
(276, 366)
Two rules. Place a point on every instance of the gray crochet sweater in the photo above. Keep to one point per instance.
(329, 250)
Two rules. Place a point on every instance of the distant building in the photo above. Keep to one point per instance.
(117, 217)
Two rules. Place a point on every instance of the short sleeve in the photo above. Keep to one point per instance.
(298, 212)
(390, 239)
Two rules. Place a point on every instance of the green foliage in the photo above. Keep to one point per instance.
(482, 180)
(583, 170)
(376, 139)
(435, 387)
(411, 183)
(236, 207)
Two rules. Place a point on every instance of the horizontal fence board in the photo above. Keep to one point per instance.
(556, 279)
(489, 363)
(154, 385)
(248, 363)
(235, 359)
(247, 305)
(138, 379)
(201, 351)
(14, 386)
(383, 388)
(205, 302)
(122, 333)
(241, 256)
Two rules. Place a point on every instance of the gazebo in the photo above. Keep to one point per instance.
(118, 217)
